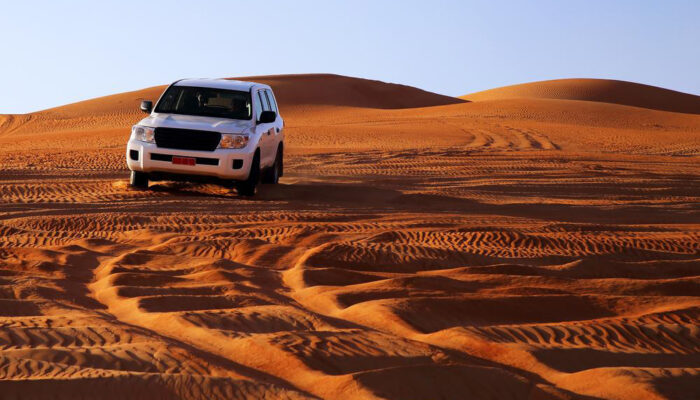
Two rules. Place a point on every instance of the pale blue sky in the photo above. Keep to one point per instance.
(57, 52)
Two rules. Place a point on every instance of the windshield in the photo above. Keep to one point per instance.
(205, 102)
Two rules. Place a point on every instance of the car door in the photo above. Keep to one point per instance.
(279, 124)
(265, 129)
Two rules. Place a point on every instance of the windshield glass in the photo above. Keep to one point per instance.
(205, 102)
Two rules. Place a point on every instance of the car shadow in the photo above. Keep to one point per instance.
(365, 197)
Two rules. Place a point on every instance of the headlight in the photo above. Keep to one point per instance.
(143, 134)
(232, 141)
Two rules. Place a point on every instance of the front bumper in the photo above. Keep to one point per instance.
(224, 169)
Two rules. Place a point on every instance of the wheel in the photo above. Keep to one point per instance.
(139, 180)
(280, 155)
(248, 186)
(272, 174)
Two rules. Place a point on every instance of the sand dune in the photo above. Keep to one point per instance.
(293, 91)
(334, 113)
(538, 246)
(338, 90)
(598, 90)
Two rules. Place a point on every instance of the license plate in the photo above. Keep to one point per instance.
(184, 160)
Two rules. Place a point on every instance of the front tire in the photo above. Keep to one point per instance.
(248, 186)
(272, 174)
(138, 180)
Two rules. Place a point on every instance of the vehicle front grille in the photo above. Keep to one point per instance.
(187, 139)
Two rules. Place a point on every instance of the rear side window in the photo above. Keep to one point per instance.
(271, 99)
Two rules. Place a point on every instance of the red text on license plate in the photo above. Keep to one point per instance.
(184, 160)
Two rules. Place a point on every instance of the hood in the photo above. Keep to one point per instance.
(199, 123)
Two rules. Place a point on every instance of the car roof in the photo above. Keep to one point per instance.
(219, 84)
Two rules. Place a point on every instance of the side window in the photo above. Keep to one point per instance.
(257, 104)
(263, 100)
(271, 100)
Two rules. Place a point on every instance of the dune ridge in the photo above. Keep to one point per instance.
(597, 90)
(339, 90)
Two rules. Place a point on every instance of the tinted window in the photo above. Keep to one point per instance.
(257, 105)
(207, 102)
(271, 100)
(263, 100)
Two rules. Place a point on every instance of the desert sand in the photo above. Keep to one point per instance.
(539, 241)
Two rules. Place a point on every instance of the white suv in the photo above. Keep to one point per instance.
(212, 130)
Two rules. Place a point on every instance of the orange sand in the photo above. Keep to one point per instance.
(538, 241)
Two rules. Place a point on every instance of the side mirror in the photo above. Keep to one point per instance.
(146, 106)
(267, 116)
